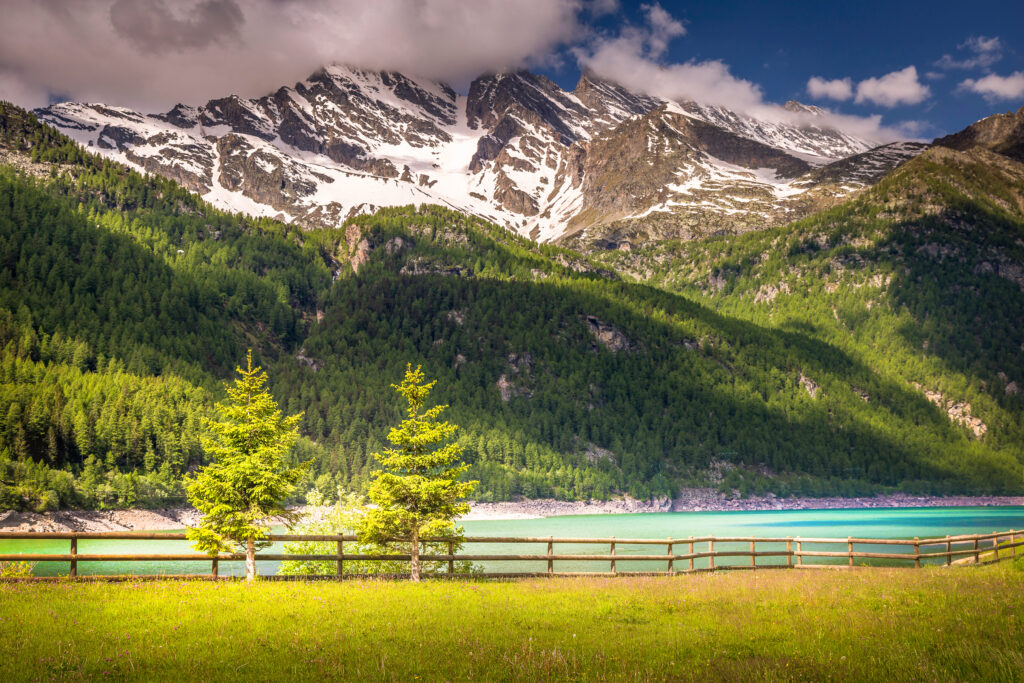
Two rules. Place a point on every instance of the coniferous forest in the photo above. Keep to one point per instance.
(854, 352)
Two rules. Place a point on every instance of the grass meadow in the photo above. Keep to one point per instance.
(962, 623)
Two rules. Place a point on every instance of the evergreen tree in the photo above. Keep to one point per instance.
(248, 480)
(417, 491)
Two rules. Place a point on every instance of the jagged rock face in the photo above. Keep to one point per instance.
(421, 266)
(1000, 133)
(118, 137)
(957, 411)
(640, 164)
(266, 178)
(600, 163)
(193, 168)
(610, 104)
(806, 136)
(534, 99)
(868, 167)
(609, 336)
(809, 385)
(667, 175)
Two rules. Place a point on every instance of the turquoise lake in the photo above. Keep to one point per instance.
(864, 523)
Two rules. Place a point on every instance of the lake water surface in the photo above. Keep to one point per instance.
(863, 523)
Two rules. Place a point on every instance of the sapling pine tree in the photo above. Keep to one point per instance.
(247, 482)
(417, 490)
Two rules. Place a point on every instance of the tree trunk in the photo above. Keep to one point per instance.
(250, 560)
(414, 565)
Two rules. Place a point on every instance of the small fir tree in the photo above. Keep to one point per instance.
(247, 482)
(417, 491)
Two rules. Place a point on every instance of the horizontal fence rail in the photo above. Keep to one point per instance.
(980, 548)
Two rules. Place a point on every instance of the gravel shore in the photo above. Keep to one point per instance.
(709, 500)
(689, 500)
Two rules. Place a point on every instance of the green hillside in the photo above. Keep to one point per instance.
(125, 300)
(921, 278)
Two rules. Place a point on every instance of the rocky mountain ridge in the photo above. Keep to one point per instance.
(1000, 133)
(516, 149)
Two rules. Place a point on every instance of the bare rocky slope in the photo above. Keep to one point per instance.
(1000, 133)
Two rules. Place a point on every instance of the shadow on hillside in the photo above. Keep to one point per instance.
(962, 280)
(688, 385)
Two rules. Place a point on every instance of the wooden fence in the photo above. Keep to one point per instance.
(1000, 545)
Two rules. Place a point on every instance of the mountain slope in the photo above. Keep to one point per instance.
(921, 278)
(568, 382)
(666, 175)
(516, 150)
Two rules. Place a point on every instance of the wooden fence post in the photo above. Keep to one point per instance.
(73, 569)
(789, 552)
(849, 549)
(753, 557)
(949, 551)
(671, 560)
(451, 558)
(977, 556)
(613, 554)
(551, 551)
(995, 546)
(1013, 543)
(341, 563)
(711, 549)
(800, 553)
(691, 553)
(917, 553)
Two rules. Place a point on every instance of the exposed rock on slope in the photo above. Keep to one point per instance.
(1000, 133)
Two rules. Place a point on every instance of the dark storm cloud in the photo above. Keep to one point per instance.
(152, 27)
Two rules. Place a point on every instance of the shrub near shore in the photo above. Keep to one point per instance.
(961, 624)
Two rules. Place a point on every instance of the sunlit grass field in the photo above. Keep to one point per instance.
(962, 623)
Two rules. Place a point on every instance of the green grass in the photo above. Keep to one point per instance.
(936, 624)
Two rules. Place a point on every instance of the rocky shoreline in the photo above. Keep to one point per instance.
(709, 500)
(689, 500)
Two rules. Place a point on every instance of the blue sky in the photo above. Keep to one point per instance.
(780, 46)
(886, 70)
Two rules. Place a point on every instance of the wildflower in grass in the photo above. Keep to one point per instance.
(16, 570)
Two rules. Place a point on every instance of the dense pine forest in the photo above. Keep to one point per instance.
(832, 356)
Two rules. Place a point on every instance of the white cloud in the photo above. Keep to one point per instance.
(994, 87)
(839, 89)
(981, 44)
(986, 52)
(150, 54)
(599, 8)
(893, 89)
(623, 60)
(663, 28)
(626, 59)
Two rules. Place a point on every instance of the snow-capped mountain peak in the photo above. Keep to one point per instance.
(516, 149)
